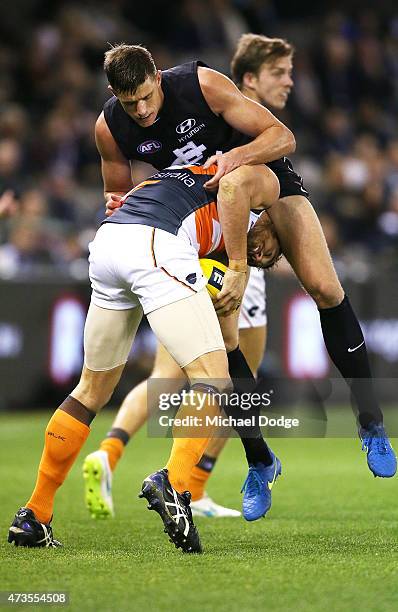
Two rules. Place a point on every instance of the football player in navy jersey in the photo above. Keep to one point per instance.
(262, 69)
(170, 118)
(179, 116)
(252, 319)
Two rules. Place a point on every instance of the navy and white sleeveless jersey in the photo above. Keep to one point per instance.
(186, 130)
(174, 200)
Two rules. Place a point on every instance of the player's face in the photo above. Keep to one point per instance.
(263, 248)
(273, 83)
(143, 106)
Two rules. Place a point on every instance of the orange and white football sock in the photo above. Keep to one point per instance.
(64, 437)
(188, 450)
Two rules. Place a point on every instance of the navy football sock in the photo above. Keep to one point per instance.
(256, 448)
(347, 349)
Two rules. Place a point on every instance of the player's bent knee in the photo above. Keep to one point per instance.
(211, 368)
(247, 180)
(326, 294)
(95, 389)
(238, 178)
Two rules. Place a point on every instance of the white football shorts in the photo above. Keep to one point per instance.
(134, 269)
(131, 264)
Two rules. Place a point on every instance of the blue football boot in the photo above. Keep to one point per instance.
(257, 488)
(381, 457)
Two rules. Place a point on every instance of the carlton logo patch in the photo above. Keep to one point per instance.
(185, 126)
(149, 146)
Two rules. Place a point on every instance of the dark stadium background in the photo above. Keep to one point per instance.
(343, 111)
(330, 539)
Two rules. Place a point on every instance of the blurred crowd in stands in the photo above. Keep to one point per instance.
(343, 111)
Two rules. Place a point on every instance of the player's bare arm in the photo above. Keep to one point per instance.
(234, 221)
(262, 191)
(238, 193)
(272, 139)
(115, 168)
(234, 218)
(245, 188)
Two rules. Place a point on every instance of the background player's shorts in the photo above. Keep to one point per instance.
(133, 264)
(253, 309)
(290, 182)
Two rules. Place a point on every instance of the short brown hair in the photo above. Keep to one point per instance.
(253, 51)
(128, 66)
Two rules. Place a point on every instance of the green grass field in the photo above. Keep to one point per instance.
(330, 540)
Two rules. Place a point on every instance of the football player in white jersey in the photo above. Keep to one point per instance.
(145, 260)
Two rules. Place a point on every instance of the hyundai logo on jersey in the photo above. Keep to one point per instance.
(149, 146)
(185, 126)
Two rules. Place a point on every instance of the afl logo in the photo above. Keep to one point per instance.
(149, 146)
(185, 126)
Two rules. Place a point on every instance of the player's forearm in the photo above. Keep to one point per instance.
(273, 143)
(233, 211)
(116, 178)
(117, 187)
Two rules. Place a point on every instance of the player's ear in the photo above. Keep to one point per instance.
(110, 87)
(249, 80)
(158, 77)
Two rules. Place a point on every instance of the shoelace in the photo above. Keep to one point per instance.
(253, 484)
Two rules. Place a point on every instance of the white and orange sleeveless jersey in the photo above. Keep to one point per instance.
(154, 241)
(174, 200)
(203, 229)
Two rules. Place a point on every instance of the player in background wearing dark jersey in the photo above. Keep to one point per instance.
(143, 261)
(268, 83)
